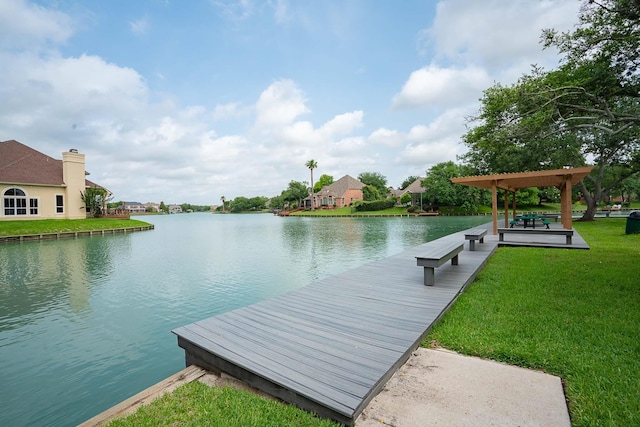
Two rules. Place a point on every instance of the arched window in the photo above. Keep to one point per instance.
(15, 203)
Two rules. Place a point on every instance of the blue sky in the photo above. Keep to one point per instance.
(188, 101)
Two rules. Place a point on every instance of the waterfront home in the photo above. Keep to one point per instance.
(36, 186)
(337, 195)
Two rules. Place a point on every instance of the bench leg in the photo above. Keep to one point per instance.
(568, 239)
(501, 237)
(454, 260)
(472, 245)
(482, 240)
(429, 276)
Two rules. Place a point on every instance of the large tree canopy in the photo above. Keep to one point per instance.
(586, 111)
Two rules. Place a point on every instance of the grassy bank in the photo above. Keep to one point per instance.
(44, 226)
(574, 314)
(197, 404)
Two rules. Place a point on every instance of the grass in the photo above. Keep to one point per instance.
(574, 314)
(43, 226)
(196, 404)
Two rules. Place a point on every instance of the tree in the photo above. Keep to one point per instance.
(164, 207)
(311, 164)
(295, 192)
(441, 191)
(376, 180)
(222, 199)
(406, 198)
(324, 180)
(370, 193)
(95, 200)
(586, 110)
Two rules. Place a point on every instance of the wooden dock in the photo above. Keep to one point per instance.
(331, 346)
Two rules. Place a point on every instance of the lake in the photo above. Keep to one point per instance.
(86, 322)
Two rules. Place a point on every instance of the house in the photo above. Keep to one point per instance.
(173, 209)
(36, 186)
(416, 190)
(133, 207)
(339, 194)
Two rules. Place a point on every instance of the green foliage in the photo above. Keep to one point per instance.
(164, 208)
(375, 179)
(406, 198)
(376, 205)
(95, 200)
(322, 181)
(371, 193)
(570, 313)
(441, 191)
(243, 204)
(187, 207)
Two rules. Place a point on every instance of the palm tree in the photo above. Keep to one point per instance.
(311, 164)
(222, 199)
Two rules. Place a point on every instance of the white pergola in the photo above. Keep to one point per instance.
(563, 179)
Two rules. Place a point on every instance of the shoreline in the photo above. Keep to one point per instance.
(67, 234)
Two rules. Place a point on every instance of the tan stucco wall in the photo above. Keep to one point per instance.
(46, 201)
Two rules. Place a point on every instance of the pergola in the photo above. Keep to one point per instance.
(563, 179)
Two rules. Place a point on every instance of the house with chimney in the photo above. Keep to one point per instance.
(36, 186)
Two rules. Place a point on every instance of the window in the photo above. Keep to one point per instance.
(59, 203)
(33, 206)
(15, 202)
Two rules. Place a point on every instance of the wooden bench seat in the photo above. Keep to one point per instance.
(473, 235)
(554, 232)
(437, 255)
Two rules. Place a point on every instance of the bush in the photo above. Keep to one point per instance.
(376, 205)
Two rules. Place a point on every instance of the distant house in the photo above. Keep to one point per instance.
(173, 209)
(337, 195)
(36, 186)
(133, 207)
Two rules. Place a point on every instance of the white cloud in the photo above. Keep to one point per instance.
(493, 33)
(24, 24)
(440, 87)
(279, 105)
(386, 137)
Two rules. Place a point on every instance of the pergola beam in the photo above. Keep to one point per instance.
(564, 179)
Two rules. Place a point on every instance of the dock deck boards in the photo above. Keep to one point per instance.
(330, 347)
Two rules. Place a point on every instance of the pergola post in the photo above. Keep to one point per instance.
(565, 202)
(506, 208)
(494, 206)
(514, 205)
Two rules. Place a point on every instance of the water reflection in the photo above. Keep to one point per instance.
(38, 276)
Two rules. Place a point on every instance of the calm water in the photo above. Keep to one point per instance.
(85, 323)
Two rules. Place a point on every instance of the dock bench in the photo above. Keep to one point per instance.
(435, 256)
(473, 235)
(554, 232)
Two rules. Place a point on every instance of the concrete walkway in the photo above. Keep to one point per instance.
(437, 387)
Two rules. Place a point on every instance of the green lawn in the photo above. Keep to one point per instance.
(572, 313)
(43, 226)
(196, 404)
